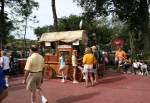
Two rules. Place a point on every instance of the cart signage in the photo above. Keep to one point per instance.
(64, 46)
(75, 42)
(47, 44)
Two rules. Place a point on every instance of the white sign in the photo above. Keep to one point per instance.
(75, 42)
(47, 44)
(64, 46)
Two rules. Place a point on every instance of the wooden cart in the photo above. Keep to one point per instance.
(56, 42)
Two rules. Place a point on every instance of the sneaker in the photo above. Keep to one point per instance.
(84, 77)
(7, 85)
(63, 80)
(95, 81)
(75, 81)
(44, 100)
(142, 73)
(139, 73)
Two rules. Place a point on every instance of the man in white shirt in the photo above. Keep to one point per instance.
(144, 68)
(5, 66)
(136, 66)
(34, 73)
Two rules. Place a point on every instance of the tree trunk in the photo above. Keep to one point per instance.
(2, 23)
(144, 15)
(54, 15)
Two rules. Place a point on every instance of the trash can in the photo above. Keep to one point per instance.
(22, 63)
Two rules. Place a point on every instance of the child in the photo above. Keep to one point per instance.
(126, 65)
(95, 65)
(74, 65)
(62, 66)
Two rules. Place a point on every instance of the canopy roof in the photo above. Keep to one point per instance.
(66, 36)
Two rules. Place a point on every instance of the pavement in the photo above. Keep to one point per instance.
(112, 88)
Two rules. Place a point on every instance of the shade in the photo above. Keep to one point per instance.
(66, 36)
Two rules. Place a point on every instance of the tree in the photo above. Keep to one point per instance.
(103, 31)
(69, 23)
(134, 13)
(54, 15)
(17, 8)
(40, 30)
(25, 12)
(5, 24)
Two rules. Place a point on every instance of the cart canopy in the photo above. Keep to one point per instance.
(66, 36)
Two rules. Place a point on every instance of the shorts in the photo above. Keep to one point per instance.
(88, 68)
(62, 67)
(119, 61)
(34, 81)
(74, 67)
(95, 71)
(116, 59)
(81, 68)
(7, 72)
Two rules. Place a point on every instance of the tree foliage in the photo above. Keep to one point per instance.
(40, 30)
(100, 27)
(64, 24)
(134, 13)
(9, 18)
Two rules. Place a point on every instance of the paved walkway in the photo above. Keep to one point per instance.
(113, 88)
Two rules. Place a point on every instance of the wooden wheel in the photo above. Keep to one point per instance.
(49, 73)
(79, 75)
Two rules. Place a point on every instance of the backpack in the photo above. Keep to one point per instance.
(99, 56)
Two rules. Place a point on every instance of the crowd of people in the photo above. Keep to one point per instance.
(89, 63)
(124, 62)
(91, 69)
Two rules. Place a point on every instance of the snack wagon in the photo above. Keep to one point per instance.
(53, 43)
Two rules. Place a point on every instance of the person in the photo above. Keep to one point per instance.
(105, 57)
(3, 88)
(137, 66)
(144, 68)
(96, 65)
(33, 77)
(88, 61)
(5, 66)
(62, 66)
(126, 65)
(120, 55)
(74, 65)
(13, 64)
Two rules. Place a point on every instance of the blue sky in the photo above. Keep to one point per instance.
(45, 16)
